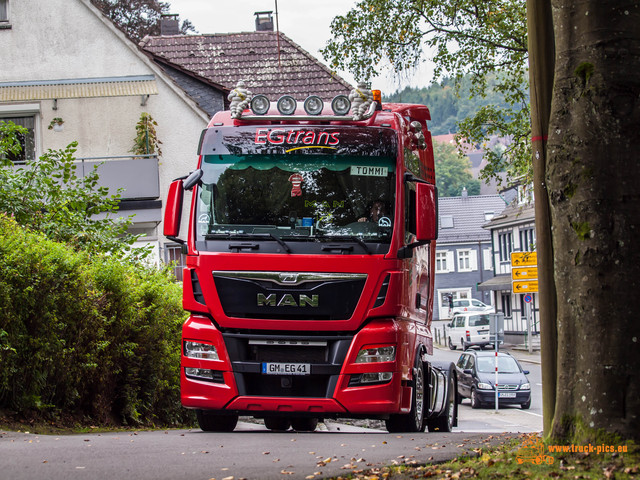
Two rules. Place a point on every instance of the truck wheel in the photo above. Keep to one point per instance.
(304, 424)
(444, 423)
(211, 422)
(414, 420)
(280, 424)
(451, 345)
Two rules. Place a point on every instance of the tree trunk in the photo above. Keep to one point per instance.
(541, 67)
(593, 178)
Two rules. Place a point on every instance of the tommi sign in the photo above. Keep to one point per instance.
(524, 272)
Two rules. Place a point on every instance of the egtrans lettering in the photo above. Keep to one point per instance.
(283, 215)
(295, 137)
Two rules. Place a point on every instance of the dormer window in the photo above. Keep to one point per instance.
(446, 221)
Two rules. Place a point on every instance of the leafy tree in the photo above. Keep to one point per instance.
(138, 18)
(47, 195)
(146, 141)
(452, 172)
(465, 37)
(587, 176)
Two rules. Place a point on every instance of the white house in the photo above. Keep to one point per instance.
(64, 59)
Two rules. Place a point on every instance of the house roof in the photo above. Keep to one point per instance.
(514, 214)
(253, 57)
(469, 214)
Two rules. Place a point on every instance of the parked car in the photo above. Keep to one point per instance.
(470, 329)
(470, 305)
(476, 380)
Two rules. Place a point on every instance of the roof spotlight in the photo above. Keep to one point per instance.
(340, 105)
(260, 104)
(313, 105)
(286, 105)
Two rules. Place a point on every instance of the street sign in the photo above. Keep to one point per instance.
(527, 298)
(524, 259)
(527, 286)
(524, 273)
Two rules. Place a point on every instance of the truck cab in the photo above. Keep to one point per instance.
(310, 269)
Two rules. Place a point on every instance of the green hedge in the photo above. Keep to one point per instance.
(86, 334)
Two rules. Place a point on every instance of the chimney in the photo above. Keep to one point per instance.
(465, 194)
(169, 24)
(264, 21)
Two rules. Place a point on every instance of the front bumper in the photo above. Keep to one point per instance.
(489, 397)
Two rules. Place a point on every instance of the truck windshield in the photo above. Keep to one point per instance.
(297, 197)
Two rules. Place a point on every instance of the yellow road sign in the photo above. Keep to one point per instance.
(526, 273)
(524, 259)
(527, 286)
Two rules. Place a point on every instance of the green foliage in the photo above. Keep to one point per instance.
(88, 334)
(10, 141)
(138, 18)
(464, 38)
(146, 141)
(49, 196)
(453, 172)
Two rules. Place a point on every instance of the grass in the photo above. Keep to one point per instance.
(502, 462)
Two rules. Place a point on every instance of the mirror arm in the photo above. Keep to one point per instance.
(407, 250)
(410, 177)
(177, 240)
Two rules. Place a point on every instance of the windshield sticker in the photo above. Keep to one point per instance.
(203, 218)
(369, 171)
(299, 138)
(296, 184)
(384, 222)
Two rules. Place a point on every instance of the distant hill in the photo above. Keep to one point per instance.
(447, 108)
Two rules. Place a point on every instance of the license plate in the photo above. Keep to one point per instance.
(506, 394)
(286, 368)
(483, 332)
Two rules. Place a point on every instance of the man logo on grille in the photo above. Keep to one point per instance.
(287, 300)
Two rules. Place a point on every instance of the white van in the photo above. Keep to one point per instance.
(469, 329)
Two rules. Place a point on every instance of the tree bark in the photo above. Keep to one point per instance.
(541, 66)
(593, 177)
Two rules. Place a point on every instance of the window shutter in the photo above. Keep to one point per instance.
(473, 260)
(450, 261)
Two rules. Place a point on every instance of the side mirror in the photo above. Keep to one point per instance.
(526, 372)
(193, 179)
(468, 371)
(173, 211)
(426, 212)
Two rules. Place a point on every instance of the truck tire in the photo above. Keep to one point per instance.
(444, 423)
(279, 424)
(211, 422)
(304, 424)
(414, 420)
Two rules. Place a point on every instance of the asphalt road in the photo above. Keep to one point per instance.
(250, 452)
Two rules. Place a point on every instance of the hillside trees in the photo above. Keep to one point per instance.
(466, 37)
(453, 172)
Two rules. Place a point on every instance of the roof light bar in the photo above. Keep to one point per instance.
(287, 105)
(313, 105)
(341, 105)
(260, 105)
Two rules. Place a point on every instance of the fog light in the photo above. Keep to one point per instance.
(200, 350)
(313, 105)
(286, 105)
(341, 105)
(377, 354)
(376, 377)
(260, 104)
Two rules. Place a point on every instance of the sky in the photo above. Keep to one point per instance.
(306, 22)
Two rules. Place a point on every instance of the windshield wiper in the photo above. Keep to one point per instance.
(353, 238)
(218, 236)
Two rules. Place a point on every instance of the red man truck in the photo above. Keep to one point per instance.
(310, 267)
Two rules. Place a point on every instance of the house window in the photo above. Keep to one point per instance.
(27, 141)
(488, 216)
(174, 254)
(506, 304)
(528, 239)
(4, 11)
(467, 261)
(505, 242)
(441, 262)
(446, 221)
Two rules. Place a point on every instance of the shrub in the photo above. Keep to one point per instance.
(86, 334)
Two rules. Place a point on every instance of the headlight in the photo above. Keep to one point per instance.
(200, 350)
(525, 386)
(341, 105)
(286, 105)
(377, 354)
(484, 386)
(313, 105)
(260, 105)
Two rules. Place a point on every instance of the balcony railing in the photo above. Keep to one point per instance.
(137, 175)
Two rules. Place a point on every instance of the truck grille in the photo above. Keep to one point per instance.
(289, 295)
